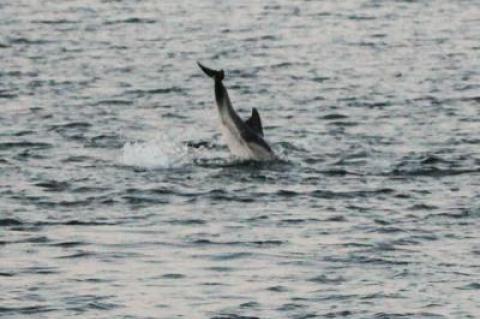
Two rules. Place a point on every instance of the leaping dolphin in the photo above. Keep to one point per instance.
(244, 138)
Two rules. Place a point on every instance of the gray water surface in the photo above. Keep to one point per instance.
(119, 199)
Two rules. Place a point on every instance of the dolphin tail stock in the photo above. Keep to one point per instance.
(217, 75)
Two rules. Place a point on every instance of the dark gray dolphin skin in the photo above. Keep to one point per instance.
(244, 138)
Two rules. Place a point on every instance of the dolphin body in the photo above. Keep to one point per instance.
(244, 138)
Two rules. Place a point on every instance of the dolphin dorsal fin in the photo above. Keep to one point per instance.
(255, 123)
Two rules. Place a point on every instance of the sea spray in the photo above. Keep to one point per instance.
(154, 154)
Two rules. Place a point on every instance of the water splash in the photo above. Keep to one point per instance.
(158, 153)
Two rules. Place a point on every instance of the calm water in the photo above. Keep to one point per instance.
(119, 199)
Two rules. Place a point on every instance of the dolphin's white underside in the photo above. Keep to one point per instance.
(237, 145)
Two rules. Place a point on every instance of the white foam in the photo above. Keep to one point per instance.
(158, 153)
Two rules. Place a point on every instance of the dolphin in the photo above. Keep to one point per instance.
(244, 138)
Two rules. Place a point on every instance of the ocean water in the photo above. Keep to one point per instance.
(119, 199)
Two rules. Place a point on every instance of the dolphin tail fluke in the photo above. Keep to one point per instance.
(216, 75)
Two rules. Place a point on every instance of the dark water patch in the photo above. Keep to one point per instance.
(475, 99)
(471, 286)
(106, 141)
(8, 96)
(344, 123)
(422, 206)
(211, 283)
(385, 246)
(281, 65)
(58, 21)
(236, 166)
(249, 305)
(432, 172)
(78, 159)
(256, 243)
(173, 276)
(381, 222)
(88, 189)
(356, 244)
(174, 115)
(290, 307)
(296, 221)
(30, 240)
(201, 144)
(220, 269)
(323, 279)
(25, 41)
(24, 144)
(71, 126)
(45, 203)
(7, 274)
(338, 218)
(382, 295)
(320, 79)
(26, 155)
(36, 240)
(287, 193)
(257, 218)
(370, 105)
(133, 20)
(53, 186)
(334, 116)
(94, 280)
(387, 230)
(83, 303)
(285, 145)
(75, 222)
(147, 92)
(143, 199)
(360, 259)
(360, 17)
(338, 172)
(233, 316)
(462, 213)
(68, 244)
(216, 196)
(231, 256)
(337, 314)
(79, 254)
(187, 222)
(350, 194)
(152, 191)
(278, 289)
(40, 270)
(261, 38)
(432, 159)
(30, 310)
(113, 102)
(416, 315)
(10, 222)
(24, 133)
